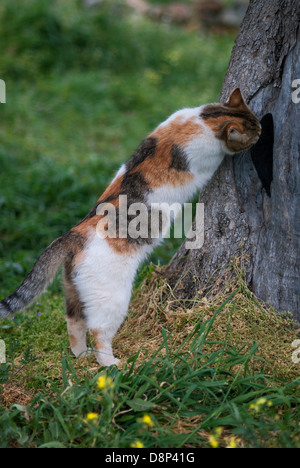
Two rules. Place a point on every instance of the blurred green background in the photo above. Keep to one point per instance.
(84, 87)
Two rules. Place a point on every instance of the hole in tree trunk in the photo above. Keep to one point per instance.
(262, 153)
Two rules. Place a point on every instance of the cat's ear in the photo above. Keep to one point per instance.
(236, 99)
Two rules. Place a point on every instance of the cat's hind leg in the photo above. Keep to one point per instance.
(76, 323)
(104, 281)
(105, 314)
(77, 336)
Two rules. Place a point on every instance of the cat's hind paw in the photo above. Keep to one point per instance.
(107, 360)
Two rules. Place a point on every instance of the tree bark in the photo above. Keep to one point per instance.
(245, 216)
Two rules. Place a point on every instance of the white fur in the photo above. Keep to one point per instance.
(120, 172)
(204, 152)
(104, 278)
(184, 114)
(104, 281)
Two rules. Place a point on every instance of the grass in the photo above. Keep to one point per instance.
(83, 89)
(200, 377)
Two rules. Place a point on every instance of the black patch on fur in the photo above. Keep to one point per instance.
(141, 240)
(179, 161)
(74, 306)
(214, 112)
(135, 187)
(146, 150)
(132, 182)
(75, 310)
(262, 153)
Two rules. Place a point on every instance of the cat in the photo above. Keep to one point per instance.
(178, 158)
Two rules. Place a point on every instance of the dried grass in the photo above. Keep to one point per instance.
(13, 394)
(242, 322)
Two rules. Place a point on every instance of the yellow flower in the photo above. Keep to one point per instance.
(91, 418)
(261, 401)
(146, 419)
(105, 382)
(137, 444)
(213, 441)
(232, 443)
(258, 405)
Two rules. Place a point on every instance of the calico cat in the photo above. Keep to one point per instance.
(178, 158)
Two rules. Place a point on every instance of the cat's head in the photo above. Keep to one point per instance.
(233, 122)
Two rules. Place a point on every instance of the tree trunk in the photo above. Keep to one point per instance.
(252, 205)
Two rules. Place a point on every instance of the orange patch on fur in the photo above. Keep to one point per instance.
(73, 340)
(119, 245)
(89, 225)
(177, 132)
(217, 125)
(157, 171)
(72, 298)
(76, 331)
(98, 345)
(86, 228)
(122, 246)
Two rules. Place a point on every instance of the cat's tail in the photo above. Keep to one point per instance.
(41, 275)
